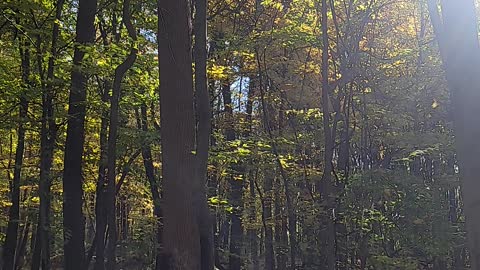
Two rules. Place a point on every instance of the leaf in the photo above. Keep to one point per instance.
(238, 177)
(283, 163)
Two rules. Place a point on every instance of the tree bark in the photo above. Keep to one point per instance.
(10, 245)
(73, 218)
(460, 51)
(204, 127)
(110, 197)
(181, 232)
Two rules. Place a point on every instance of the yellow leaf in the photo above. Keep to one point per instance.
(284, 163)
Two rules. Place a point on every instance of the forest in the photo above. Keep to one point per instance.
(239, 135)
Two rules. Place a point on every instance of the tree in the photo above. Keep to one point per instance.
(203, 115)
(47, 145)
(181, 231)
(10, 245)
(73, 218)
(458, 40)
(142, 123)
(110, 193)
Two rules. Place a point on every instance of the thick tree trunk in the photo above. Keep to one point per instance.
(460, 50)
(9, 247)
(181, 232)
(73, 219)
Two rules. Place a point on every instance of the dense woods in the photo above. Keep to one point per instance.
(239, 134)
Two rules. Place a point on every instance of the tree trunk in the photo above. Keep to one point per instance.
(253, 231)
(35, 247)
(204, 126)
(73, 219)
(98, 247)
(453, 216)
(269, 221)
(181, 232)
(281, 238)
(10, 244)
(236, 187)
(22, 246)
(280, 229)
(110, 197)
(47, 144)
(100, 214)
(142, 123)
(269, 177)
(460, 51)
(327, 185)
